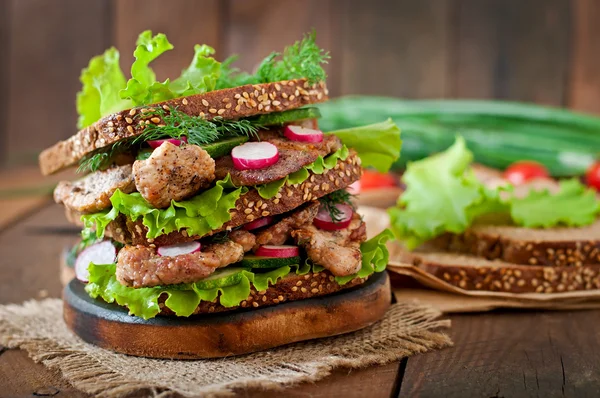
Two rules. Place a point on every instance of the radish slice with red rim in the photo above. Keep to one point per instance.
(254, 155)
(99, 253)
(156, 143)
(282, 251)
(179, 249)
(299, 133)
(261, 222)
(323, 218)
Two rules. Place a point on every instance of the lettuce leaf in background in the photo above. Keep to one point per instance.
(443, 195)
(574, 205)
(199, 215)
(440, 197)
(378, 145)
(101, 82)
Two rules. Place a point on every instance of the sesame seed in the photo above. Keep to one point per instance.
(299, 283)
(129, 120)
(202, 114)
(276, 201)
(276, 103)
(221, 111)
(255, 304)
(264, 298)
(294, 289)
(248, 211)
(245, 95)
(292, 97)
(284, 95)
(280, 298)
(265, 213)
(110, 124)
(226, 99)
(320, 96)
(184, 101)
(303, 290)
(130, 129)
(276, 301)
(237, 108)
(155, 120)
(212, 110)
(256, 93)
(132, 112)
(250, 217)
(277, 87)
(314, 284)
(204, 102)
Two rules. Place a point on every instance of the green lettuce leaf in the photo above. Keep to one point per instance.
(198, 215)
(440, 197)
(199, 77)
(375, 257)
(443, 195)
(101, 82)
(573, 205)
(319, 166)
(378, 145)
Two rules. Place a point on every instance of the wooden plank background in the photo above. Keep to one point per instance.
(544, 51)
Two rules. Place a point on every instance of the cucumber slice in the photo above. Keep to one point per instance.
(223, 147)
(279, 118)
(228, 276)
(253, 261)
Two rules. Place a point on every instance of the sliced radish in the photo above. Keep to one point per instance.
(254, 155)
(323, 219)
(156, 143)
(99, 253)
(278, 251)
(181, 248)
(354, 188)
(261, 222)
(299, 133)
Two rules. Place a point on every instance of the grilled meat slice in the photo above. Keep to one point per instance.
(140, 266)
(173, 173)
(337, 251)
(289, 161)
(92, 193)
(227, 252)
(279, 233)
(244, 238)
(330, 143)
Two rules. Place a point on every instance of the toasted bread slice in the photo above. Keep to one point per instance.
(475, 273)
(231, 103)
(249, 206)
(561, 246)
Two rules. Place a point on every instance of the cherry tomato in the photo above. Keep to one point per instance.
(592, 176)
(525, 170)
(374, 179)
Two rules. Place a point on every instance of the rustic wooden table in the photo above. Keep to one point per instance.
(497, 354)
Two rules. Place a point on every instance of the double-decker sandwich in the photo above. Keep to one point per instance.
(216, 191)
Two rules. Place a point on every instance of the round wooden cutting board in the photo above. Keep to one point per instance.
(224, 334)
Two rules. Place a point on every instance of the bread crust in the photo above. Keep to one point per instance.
(251, 205)
(497, 276)
(231, 103)
(532, 251)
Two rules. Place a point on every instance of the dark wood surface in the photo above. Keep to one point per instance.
(544, 51)
(496, 354)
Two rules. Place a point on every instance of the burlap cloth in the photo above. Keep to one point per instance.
(37, 326)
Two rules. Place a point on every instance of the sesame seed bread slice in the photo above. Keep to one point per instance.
(561, 246)
(249, 206)
(475, 273)
(290, 288)
(231, 103)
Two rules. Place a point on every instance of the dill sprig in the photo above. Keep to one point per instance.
(330, 201)
(175, 124)
(302, 59)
